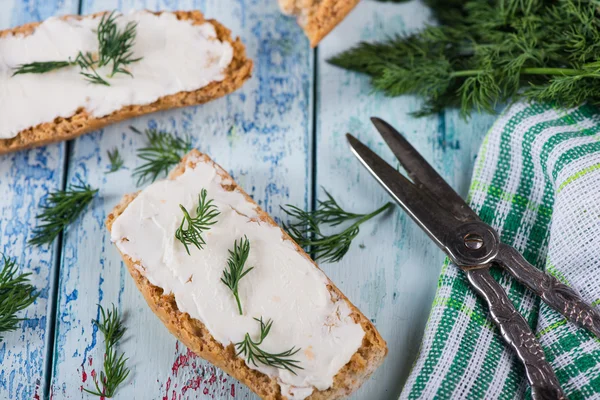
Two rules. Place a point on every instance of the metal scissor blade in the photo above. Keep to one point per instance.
(423, 174)
(432, 218)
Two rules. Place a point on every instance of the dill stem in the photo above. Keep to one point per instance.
(364, 218)
(531, 71)
(466, 72)
(237, 299)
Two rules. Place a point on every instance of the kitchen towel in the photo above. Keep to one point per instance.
(537, 181)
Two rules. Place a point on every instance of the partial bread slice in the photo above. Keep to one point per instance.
(317, 17)
(193, 334)
(238, 71)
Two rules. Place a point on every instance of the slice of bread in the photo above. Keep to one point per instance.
(317, 17)
(192, 333)
(238, 71)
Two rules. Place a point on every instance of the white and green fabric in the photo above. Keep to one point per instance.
(537, 181)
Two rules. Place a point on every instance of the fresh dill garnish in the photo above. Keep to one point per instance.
(62, 207)
(16, 294)
(115, 371)
(41, 67)
(114, 46)
(191, 229)
(86, 63)
(162, 152)
(250, 350)
(116, 161)
(487, 52)
(307, 230)
(236, 263)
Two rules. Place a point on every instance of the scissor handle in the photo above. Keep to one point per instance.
(518, 335)
(553, 292)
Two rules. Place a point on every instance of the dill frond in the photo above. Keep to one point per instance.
(40, 67)
(254, 354)
(307, 230)
(62, 208)
(116, 161)
(16, 294)
(87, 64)
(114, 45)
(162, 152)
(115, 370)
(236, 264)
(191, 228)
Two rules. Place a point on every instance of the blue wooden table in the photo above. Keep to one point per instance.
(282, 137)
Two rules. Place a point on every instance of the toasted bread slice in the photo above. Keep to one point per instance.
(317, 17)
(193, 333)
(238, 71)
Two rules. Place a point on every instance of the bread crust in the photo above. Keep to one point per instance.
(318, 17)
(193, 334)
(238, 71)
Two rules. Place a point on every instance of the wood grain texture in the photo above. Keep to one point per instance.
(261, 134)
(392, 268)
(25, 179)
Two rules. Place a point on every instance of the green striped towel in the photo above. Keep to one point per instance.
(537, 181)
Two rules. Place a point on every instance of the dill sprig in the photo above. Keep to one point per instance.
(487, 52)
(250, 350)
(191, 229)
(62, 208)
(116, 161)
(41, 67)
(16, 294)
(307, 230)
(86, 63)
(114, 46)
(236, 263)
(162, 152)
(115, 371)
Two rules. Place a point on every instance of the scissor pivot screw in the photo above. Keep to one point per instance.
(473, 241)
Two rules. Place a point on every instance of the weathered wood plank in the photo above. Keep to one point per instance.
(261, 134)
(25, 178)
(391, 271)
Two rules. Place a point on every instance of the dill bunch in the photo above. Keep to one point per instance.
(62, 208)
(307, 230)
(115, 370)
(488, 52)
(16, 294)
(162, 152)
(253, 353)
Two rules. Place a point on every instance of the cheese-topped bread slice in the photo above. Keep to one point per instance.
(317, 17)
(176, 59)
(315, 344)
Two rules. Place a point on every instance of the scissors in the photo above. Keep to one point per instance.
(474, 246)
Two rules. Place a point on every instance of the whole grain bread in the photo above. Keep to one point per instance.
(193, 334)
(317, 17)
(238, 71)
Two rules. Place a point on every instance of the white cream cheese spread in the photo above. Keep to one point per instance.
(284, 285)
(176, 56)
